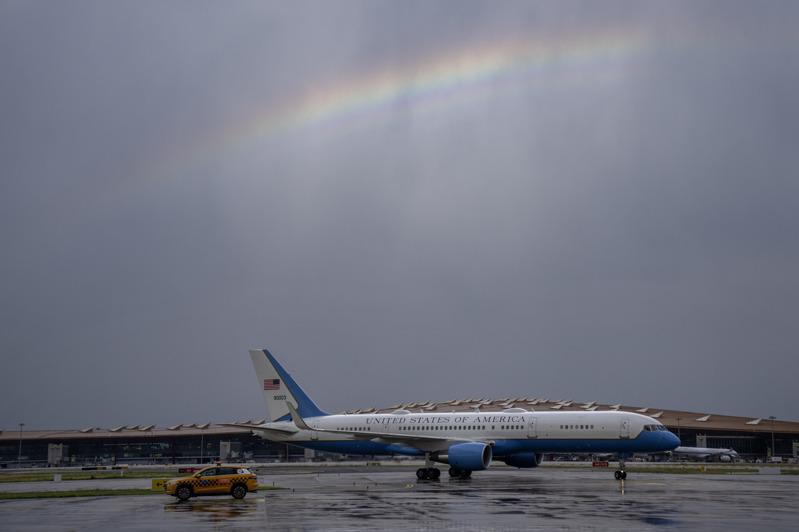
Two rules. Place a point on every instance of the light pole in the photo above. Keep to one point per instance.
(19, 453)
(773, 453)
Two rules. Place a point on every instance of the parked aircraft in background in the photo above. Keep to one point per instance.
(705, 454)
(467, 441)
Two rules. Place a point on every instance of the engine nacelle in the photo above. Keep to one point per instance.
(523, 459)
(472, 456)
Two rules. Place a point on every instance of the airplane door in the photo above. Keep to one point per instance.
(531, 428)
(624, 429)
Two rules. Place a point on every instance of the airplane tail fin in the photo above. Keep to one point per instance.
(279, 388)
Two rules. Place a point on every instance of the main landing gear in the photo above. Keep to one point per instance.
(428, 472)
(620, 474)
(454, 472)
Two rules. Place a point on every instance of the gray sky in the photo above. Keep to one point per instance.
(574, 200)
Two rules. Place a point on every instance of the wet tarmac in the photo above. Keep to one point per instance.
(502, 499)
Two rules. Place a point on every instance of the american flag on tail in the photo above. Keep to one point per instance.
(271, 384)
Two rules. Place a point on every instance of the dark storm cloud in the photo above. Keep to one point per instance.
(623, 234)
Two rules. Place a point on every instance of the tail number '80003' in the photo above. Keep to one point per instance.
(279, 397)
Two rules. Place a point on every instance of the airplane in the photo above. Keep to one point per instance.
(466, 441)
(705, 454)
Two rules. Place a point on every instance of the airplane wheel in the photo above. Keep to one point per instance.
(466, 473)
(454, 472)
(617, 475)
(623, 475)
(435, 473)
(421, 474)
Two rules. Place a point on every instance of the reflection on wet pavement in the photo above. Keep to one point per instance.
(217, 509)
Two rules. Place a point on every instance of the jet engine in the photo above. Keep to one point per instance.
(523, 459)
(472, 456)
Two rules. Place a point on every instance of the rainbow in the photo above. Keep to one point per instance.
(439, 75)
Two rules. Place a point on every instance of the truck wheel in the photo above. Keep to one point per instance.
(239, 491)
(183, 493)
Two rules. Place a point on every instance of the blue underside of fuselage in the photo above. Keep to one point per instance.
(646, 442)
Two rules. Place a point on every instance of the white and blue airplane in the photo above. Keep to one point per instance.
(467, 441)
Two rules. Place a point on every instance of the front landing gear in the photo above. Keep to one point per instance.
(620, 474)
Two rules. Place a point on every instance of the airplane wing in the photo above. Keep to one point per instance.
(419, 441)
(267, 430)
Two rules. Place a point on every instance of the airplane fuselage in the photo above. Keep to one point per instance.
(508, 431)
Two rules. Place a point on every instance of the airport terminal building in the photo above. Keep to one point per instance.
(752, 438)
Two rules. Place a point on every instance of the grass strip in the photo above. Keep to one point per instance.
(88, 475)
(695, 470)
(686, 470)
(74, 493)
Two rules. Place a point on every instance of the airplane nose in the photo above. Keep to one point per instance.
(673, 440)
